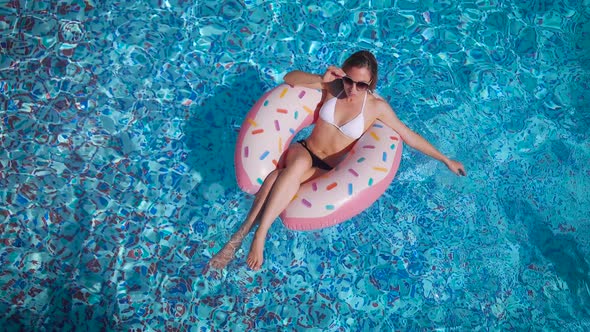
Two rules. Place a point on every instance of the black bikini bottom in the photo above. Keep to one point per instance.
(315, 160)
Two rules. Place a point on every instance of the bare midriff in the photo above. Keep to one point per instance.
(328, 143)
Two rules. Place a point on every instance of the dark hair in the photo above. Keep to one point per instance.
(363, 59)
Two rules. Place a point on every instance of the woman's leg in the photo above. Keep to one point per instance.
(226, 254)
(297, 170)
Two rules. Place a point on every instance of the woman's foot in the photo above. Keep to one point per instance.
(225, 255)
(256, 255)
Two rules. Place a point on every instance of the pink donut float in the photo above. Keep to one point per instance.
(345, 191)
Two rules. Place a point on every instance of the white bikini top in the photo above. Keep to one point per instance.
(353, 128)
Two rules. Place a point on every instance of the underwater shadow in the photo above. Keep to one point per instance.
(562, 250)
(212, 129)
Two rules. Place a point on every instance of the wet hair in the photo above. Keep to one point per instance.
(363, 59)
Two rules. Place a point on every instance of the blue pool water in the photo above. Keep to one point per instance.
(118, 122)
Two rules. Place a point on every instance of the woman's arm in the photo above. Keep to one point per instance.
(301, 78)
(414, 140)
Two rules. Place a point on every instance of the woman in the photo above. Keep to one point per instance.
(348, 109)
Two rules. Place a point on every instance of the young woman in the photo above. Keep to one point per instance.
(348, 109)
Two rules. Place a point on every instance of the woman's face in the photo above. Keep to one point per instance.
(357, 81)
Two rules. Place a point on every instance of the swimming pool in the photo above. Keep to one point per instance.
(117, 185)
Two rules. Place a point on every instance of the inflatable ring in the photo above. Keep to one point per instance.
(340, 194)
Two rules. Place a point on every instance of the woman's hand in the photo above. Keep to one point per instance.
(333, 73)
(456, 167)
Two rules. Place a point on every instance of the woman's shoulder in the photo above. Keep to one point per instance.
(378, 103)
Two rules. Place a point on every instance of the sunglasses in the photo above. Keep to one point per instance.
(361, 86)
